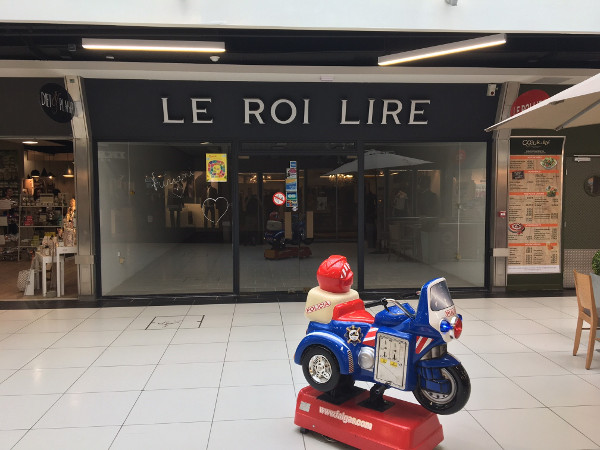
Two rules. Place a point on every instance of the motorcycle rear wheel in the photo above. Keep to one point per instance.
(445, 404)
(321, 368)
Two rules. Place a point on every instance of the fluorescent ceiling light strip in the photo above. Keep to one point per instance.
(152, 46)
(444, 49)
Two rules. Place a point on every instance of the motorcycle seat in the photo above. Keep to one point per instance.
(352, 311)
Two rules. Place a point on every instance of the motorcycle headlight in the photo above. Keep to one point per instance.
(457, 325)
(445, 326)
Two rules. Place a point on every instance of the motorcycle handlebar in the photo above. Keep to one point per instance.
(382, 302)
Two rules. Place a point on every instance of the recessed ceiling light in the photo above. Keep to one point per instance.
(30, 142)
(152, 45)
(445, 49)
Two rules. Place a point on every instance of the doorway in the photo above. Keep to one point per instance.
(282, 245)
(37, 206)
(581, 215)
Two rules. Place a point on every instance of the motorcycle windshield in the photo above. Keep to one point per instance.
(439, 296)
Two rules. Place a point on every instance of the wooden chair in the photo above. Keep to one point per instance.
(587, 312)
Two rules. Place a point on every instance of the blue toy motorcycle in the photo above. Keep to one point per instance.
(397, 348)
(275, 234)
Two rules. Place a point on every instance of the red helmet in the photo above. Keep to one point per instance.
(334, 274)
(274, 215)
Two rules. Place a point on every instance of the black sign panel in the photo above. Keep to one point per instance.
(20, 112)
(187, 110)
(534, 145)
(57, 103)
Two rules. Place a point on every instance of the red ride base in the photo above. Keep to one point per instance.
(403, 426)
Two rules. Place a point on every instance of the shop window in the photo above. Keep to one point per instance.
(165, 218)
(425, 214)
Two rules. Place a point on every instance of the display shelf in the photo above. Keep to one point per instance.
(9, 220)
(42, 206)
(41, 226)
(30, 216)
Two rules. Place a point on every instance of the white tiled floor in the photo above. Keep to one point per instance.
(92, 378)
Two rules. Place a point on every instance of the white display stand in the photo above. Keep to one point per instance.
(57, 258)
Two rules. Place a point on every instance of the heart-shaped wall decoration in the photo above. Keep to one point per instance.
(212, 203)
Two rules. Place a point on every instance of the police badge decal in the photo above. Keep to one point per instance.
(353, 335)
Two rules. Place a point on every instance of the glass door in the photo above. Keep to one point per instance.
(292, 218)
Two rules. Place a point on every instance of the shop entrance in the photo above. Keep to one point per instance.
(282, 245)
(38, 221)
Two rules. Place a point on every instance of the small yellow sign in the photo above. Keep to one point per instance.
(383, 361)
(393, 364)
(216, 167)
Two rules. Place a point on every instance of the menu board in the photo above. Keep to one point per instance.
(535, 205)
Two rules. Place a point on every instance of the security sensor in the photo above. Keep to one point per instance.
(491, 90)
(582, 159)
(214, 58)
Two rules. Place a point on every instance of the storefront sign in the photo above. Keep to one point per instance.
(216, 167)
(170, 110)
(528, 99)
(284, 111)
(57, 103)
(535, 205)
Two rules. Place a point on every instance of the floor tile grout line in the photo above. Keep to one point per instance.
(569, 424)
(517, 385)
(290, 361)
(143, 389)
(59, 396)
(63, 394)
(212, 420)
(483, 428)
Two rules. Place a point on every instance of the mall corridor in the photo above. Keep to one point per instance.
(221, 376)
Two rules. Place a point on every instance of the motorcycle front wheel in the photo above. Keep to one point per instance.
(449, 403)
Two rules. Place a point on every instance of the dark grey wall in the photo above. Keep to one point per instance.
(21, 113)
(581, 213)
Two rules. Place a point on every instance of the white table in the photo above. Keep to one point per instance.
(60, 253)
(40, 263)
(59, 259)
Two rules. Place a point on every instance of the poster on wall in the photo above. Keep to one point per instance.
(216, 167)
(535, 204)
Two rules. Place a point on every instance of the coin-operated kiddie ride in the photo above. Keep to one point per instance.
(397, 348)
(275, 235)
